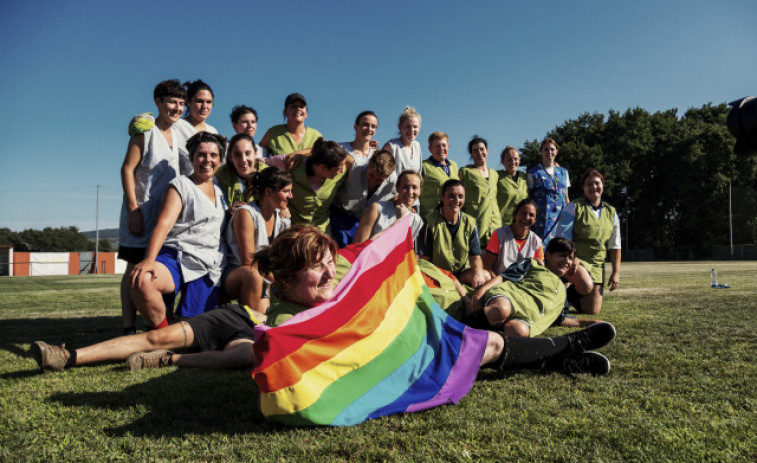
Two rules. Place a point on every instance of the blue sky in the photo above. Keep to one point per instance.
(73, 73)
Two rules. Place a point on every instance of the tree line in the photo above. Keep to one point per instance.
(667, 176)
(63, 239)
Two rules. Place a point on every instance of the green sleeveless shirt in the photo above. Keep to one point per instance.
(229, 183)
(481, 201)
(509, 193)
(591, 235)
(433, 179)
(450, 253)
(537, 299)
(280, 140)
(307, 205)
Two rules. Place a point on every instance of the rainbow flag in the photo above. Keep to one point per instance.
(380, 346)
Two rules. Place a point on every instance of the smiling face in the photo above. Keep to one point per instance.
(478, 153)
(296, 111)
(243, 158)
(558, 262)
(548, 154)
(200, 105)
(593, 188)
(206, 160)
(247, 123)
(314, 285)
(170, 109)
(525, 218)
(366, 129)
(409, 189)
(409, 129)
(511, 161)
(439, 149)
(278, 199)
(453, 199)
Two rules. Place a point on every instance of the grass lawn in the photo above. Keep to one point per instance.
(683, 388)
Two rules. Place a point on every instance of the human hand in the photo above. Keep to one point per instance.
(480, 277)
(142, 270)
(285, 213)
(614, 281)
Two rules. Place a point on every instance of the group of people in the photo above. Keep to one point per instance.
(275, 224)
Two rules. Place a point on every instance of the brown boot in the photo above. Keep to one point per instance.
(156, 359)
(50, 358)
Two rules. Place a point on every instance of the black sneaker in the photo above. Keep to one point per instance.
(591, 363)
(593, 337)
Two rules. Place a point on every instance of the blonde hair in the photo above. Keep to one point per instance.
(437, 136)
(407, 113)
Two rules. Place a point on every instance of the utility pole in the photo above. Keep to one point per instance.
(97, 229)
(730, 216)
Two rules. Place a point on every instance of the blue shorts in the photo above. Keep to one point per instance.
(343, 226)
(197, 296)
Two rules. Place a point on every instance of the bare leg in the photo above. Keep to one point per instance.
(578, 322)
(592, 302)
(517, 328)
(148, 296)
(171, 337)
(494, 346)
(246, 284)
(128, 311)
(498, 311)
(236, 354)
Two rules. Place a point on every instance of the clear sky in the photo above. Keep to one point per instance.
(72, 74)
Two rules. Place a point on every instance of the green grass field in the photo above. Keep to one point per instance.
(683, 388)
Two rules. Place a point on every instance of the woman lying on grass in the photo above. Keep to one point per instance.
(306, 265)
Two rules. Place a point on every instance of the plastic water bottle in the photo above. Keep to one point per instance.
(714, 277)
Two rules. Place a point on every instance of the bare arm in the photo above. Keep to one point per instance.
(132, 159)
(490, 260)
(244, 233)
(169, 212)
(481, 291)
(479, 275)
(265, 142)
(366, 224)
(614, 280)
(580, 278)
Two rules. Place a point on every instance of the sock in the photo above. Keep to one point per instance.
(478, 320)
(71, 360)
(162, 324)
(529, 353)
(130, 330)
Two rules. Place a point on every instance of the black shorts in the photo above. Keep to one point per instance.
(131, 255)
(574, 299)
(218, 327)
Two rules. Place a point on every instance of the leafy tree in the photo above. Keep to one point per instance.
(667, 176)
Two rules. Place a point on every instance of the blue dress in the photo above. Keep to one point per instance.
(549, 193)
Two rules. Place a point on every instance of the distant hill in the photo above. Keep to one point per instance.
(107, 233)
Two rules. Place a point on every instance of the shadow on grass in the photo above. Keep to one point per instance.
(74, 332)
(182, 402)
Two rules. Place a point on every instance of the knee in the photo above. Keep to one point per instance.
(497, 312)
(158, 338)
(591, 305)
(517, 328)
(494, 346)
